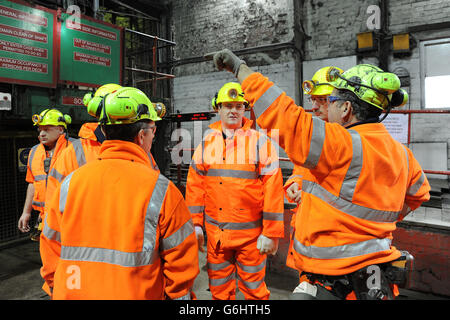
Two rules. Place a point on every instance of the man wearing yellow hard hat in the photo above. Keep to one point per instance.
(52, 128)
(86, 147)
(234, 191)
(318, 89)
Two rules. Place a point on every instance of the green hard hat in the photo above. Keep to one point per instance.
(93, 101)
(127, 105)
(370, 84)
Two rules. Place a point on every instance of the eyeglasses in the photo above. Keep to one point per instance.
(332, 99)
(317, 100)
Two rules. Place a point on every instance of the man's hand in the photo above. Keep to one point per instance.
(294, 193)
(267, 245)
(200, 238)
(225, 59)
(23, 222)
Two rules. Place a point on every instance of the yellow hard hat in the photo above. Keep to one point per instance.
(231, 91)
(319, 84)
(93, 100)
(51, 117)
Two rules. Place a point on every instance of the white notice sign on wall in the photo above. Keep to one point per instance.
(397, 125)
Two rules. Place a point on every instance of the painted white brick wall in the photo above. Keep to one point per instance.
(194, 93)
(204, 26)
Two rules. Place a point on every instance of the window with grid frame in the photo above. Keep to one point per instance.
(435, 73)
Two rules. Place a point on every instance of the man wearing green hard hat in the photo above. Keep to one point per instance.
(362, 180)
(116, 228)
(317, 90)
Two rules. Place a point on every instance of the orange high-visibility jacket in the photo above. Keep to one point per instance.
(362, 182)
(235, 185)
(297, 176)
(117, 229)
(36, 173)
(81, 151)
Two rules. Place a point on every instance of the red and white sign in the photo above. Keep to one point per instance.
(5, 101)
(89, 58)
(22, 33)
(22, 65)
(23, 16)
(72, 101)
(93, 46)
(92, 30)
(22, 49)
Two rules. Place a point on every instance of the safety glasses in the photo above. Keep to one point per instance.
(332, 99)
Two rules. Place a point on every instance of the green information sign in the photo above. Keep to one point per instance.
(27, 44)
(91, 51)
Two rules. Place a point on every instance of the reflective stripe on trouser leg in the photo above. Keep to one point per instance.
(221, 273)
(251, 270)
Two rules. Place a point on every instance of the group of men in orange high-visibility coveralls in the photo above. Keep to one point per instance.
(116, 228)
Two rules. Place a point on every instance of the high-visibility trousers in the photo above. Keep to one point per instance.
(244, 263)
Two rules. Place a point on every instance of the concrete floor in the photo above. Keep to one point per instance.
(20, 278)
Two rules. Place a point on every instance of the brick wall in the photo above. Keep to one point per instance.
(204, 26)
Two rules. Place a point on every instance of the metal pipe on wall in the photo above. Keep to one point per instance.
(95, 8)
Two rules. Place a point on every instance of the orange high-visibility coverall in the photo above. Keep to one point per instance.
(362, 183)
(235, 185)
(36, 173)
(81, 151)
(117, 229)
(297, 177)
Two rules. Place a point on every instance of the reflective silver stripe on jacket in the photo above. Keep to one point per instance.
(267, 98)
(354, 170)
(38, 204)
(116, 257)
(347, 206)
(412, 190)
(63, 192)
(55, 174)
(79, 152)
(196, 209)
(316, 145)
(153, 211)
(31, 155)
(178, 236)
(200, 172)
(270, 168)
(228, 173)
(49, 233)
(40, 177)
(273, 216)
(344, 251)
(234, 225)
(121, 258)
